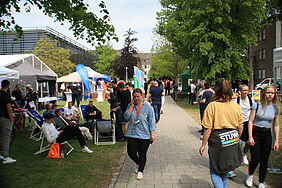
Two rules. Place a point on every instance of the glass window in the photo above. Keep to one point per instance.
(259, 75)
(263, 54)
(263, 34)
(260, 33)
(260, 53)
(263, 73)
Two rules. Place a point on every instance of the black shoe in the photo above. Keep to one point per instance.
(200, 131)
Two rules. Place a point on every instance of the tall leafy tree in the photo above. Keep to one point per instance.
(165, 61)
(212, 34)
(84, 24)
(126, 58)
(106, 54)
(58, 59)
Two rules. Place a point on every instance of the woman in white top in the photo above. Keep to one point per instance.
(53, 135)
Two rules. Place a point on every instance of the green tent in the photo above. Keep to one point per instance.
(185, 76)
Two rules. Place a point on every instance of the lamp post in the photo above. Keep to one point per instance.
(126, 75)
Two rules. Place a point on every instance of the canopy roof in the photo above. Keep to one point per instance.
(74, 77)
(6, 73)
(186, 74)
(28, 65)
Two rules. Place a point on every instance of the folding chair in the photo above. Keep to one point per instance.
(37, 120)
(82, 109)
(63, 111)
(105, 126)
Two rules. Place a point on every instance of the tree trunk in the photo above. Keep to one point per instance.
(251, 74)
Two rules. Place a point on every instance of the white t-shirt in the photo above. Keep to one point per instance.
(71, 111)
(193, 87)
(50, 132)
(245, 107)
(63, 87)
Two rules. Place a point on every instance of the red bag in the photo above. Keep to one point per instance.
(54, 152)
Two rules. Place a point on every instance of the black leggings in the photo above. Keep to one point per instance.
(70, 132)
(140, 146)
(260, 151)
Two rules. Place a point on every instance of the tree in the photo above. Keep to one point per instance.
(85, 25)
(127, 58)
(54, 57)
(106, 54)
(165, 62)
(212, 35)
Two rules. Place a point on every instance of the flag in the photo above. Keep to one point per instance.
(83, 73)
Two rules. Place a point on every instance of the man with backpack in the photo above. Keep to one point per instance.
(245, 102)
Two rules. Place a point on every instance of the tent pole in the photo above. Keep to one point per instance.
(82, 91)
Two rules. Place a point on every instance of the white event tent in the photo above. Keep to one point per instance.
(31, 71)
(6, 73)
(74, 77)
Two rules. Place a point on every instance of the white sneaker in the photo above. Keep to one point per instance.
(139, 176)
(245, 160)
(261, 185)
(8, 160)
(1, 157)
(86, 150)
(249, 181)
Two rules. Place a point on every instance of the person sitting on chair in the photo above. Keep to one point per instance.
(61, 122)
(91, 112)
(53, 135)
(48, 107)
(70, 112)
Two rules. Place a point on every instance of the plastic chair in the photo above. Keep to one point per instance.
(105, 126)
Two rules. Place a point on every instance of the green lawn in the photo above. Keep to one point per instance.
(272, 179)
(76, 170)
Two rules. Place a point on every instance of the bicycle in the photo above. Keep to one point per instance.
(18, 122)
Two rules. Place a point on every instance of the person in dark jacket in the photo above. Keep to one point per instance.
(223, 122)
(75, 89)
(30, 98)
(17, 93)
(91, 112)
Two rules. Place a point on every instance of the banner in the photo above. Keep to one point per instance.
(137, 75)
(83, 73)
(142, 78)
(256, 94)
(136, 82)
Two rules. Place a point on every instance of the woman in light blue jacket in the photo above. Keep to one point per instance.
(140, 131)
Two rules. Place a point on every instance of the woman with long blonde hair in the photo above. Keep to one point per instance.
(260, 139)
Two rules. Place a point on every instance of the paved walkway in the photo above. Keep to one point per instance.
(173, 159)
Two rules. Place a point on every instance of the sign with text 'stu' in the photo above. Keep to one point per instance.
(83, 73)
(136, 82)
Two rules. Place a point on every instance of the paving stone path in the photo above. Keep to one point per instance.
(173, 159)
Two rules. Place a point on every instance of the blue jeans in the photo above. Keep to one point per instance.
(218, 180)
(157, 111)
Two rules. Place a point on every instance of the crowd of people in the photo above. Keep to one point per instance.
(227, 122)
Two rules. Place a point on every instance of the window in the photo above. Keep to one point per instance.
(259, 75)
(263, 34)
(259, 34)
(263, 73)
(260, 54)
(263, 54)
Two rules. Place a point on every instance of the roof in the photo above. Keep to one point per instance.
(74, 77)
(187, 73)
(7, 60)
(6, 73)
(13, 61)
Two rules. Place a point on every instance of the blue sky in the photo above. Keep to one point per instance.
(139, 15)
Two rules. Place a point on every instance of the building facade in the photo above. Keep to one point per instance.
(9, 45)
(145, 62)
(267, 40)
